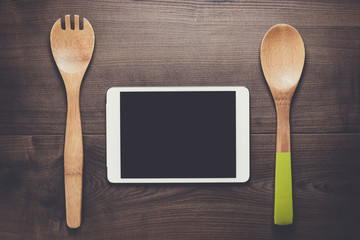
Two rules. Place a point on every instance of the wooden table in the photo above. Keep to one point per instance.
(180, 43)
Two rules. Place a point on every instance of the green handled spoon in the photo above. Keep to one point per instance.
(282, 60)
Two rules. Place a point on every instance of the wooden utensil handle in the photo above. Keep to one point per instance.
(283, 126)
(73, 161)
(283, 204)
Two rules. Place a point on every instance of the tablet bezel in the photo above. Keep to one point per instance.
(113, 161)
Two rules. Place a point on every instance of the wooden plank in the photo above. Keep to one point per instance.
(326, 195)
(186, 43)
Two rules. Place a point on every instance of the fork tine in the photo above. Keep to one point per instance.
(55, 27)
(76, 22)
(86, 24)
(57, 23)
(67, 22)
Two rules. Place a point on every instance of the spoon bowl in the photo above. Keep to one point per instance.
(282, 60)
(72, 48)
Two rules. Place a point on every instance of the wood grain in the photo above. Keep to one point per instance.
(180, 43)
(326, 195)
(171, 43)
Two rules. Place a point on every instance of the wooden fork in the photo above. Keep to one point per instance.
(72, 50)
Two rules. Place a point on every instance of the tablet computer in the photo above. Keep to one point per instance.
(177, 134)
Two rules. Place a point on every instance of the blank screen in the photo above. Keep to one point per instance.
(178, 134)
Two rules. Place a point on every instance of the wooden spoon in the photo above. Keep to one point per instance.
(72, 50)
(282, 59)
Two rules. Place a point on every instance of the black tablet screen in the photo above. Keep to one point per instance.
(178, 134)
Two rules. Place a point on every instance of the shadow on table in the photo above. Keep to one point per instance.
(284, 232)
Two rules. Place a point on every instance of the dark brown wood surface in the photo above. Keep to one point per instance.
(180, 43)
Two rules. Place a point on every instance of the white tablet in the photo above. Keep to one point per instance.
(177, 134)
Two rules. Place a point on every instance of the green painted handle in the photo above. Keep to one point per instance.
(283, 209)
